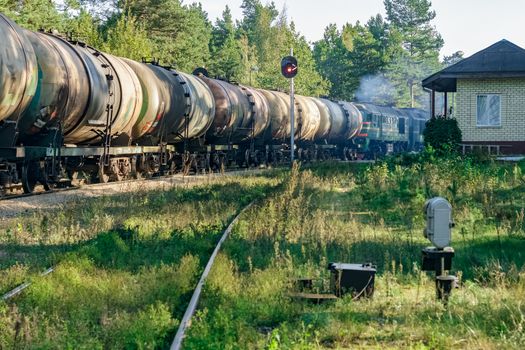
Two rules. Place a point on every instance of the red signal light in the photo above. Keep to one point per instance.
(289, 67)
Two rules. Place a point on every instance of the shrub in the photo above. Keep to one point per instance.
(443, 134)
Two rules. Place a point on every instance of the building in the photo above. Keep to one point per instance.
(489, 92)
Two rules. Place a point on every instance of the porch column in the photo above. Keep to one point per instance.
(433, 104)
(445, 104)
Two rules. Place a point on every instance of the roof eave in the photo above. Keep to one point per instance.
(447, 82)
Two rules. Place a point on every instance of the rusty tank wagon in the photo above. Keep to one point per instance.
(68, 110)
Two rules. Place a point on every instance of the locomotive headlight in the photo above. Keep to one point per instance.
(438, 213)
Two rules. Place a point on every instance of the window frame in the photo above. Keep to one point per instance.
(500, 110)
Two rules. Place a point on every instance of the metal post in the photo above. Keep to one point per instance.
(292, 116)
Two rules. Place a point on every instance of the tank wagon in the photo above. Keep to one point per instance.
(69, 110)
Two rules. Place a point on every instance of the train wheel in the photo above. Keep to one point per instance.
(30, 171)
(117, 177)
(268, 158)
(222, 164)
(72, 175)
(247, 157)
(195, 166)
(215, 162)
(102, 177)
(186, 164)
(143, 175)
(277, 158)
(48, 186)
(208, 166)
(29, 177)
(172, 167)
(78, 178)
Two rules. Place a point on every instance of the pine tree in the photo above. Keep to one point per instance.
(421, 44)
(271, 36)
(128, 39)
(180, 33)
(357, 52)
(223, 28)
(249, 64)
(453, 59)
(225, 49)
(34, 14)
(83, 27)
(333, 60)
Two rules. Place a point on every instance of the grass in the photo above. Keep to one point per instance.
(126, 266)
(373, 214)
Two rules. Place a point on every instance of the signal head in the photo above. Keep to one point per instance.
(289, 67)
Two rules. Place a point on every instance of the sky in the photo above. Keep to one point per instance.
(466, 25)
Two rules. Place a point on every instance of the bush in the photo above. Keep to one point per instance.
(443, 134)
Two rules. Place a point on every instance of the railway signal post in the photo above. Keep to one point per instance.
(289, 70)
(438, 258)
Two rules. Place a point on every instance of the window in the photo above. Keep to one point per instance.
(489, 110)
(401, 125)
(376, 121)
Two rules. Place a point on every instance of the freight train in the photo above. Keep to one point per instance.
(68, 110)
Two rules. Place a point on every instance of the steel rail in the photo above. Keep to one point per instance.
(23, 286)
(192, 306)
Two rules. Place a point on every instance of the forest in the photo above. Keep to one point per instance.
(381, 61)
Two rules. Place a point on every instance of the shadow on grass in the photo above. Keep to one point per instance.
(35, 256)
(470, 256)
(121, 248)
(118, 249)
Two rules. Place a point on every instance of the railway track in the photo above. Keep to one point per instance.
(231, 172)
(37, 193)
(194, 302)
(155, 178)
(13, 205)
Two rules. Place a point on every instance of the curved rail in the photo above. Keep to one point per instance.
(20, 288)
(186, 319)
